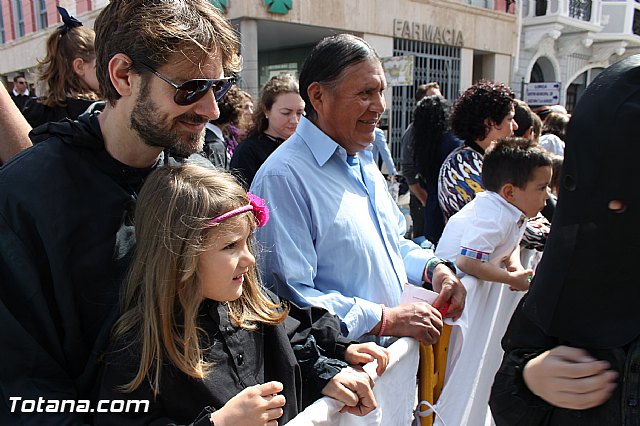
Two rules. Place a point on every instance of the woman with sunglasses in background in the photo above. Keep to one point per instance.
(68, 74)
(275, 120)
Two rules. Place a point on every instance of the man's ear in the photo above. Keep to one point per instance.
(120, 74)
(508, 191)
(528, 134)
(317, 95)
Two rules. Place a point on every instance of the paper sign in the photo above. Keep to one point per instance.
(412, 294)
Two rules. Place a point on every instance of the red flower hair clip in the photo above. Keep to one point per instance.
(256, 204)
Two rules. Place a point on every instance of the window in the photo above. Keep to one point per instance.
(18, 22)
(2, 37)
(42, 21)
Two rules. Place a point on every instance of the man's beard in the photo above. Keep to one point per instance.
(156, 129)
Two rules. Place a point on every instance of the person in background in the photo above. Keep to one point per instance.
(432, 142)
(482, 114)
(418, 196)
(222, 135)
(524, 118)
(529, 126)
(225, 127)
(382, 153)
(246, 118)
(274, 121)
(66, 233)
(554, 128)
(337, 236)
(536, 131)
(572, 348)
(67, 73)
(20, 93)
(197, 322)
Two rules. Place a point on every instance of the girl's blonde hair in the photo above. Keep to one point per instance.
(163, 296)
(56, 69)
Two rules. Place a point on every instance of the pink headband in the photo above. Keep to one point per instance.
(257, 204)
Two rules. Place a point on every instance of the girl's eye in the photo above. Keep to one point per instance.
(231, 245)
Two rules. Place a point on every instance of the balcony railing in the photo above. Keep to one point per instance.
(582, 10)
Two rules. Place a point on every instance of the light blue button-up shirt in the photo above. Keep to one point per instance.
(336, 237)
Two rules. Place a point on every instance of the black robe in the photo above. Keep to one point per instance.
(585, 293)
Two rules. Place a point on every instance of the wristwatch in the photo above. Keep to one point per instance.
(434, 262)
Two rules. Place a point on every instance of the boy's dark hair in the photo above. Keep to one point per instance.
(512, 160)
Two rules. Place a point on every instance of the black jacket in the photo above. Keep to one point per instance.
(251, 153)
(293, 353)
(38, 114)
(66, 238)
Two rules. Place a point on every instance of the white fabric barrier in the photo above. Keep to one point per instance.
(395, 392)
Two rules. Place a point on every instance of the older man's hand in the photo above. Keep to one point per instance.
(419, 320)
(451, 290)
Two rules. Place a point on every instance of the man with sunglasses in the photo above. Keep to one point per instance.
(66, 234)
(20, 93)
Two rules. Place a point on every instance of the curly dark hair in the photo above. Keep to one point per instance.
(484, 100)
(230, 106)
(430, 122)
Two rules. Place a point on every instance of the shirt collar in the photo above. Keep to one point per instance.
(216, 130)
(321, 146)
(16, 93)
(515, 214)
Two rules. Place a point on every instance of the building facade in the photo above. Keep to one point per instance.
(570, 41)
(454, 42)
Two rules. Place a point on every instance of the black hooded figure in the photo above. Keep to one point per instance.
(586, 293)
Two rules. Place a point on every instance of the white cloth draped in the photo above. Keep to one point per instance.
(395, 392)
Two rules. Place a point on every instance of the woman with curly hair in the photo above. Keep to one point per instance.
(481, 115)
(68, 74)
(432, 142)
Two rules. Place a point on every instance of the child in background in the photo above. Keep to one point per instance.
(483, 239)
(67, 73)
(200, 338)
(554, 186)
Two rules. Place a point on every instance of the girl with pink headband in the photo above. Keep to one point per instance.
(199, 337)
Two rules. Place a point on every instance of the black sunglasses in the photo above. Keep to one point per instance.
(191, 91)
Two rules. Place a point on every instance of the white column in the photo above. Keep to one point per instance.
(249, 51)
(466, 68)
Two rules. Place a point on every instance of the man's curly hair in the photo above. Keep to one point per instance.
(484, 100)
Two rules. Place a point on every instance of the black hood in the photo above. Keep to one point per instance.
(586, 289)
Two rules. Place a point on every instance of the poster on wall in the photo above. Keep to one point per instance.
(398, 70)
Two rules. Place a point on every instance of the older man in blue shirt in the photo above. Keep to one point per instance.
(336, 238)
